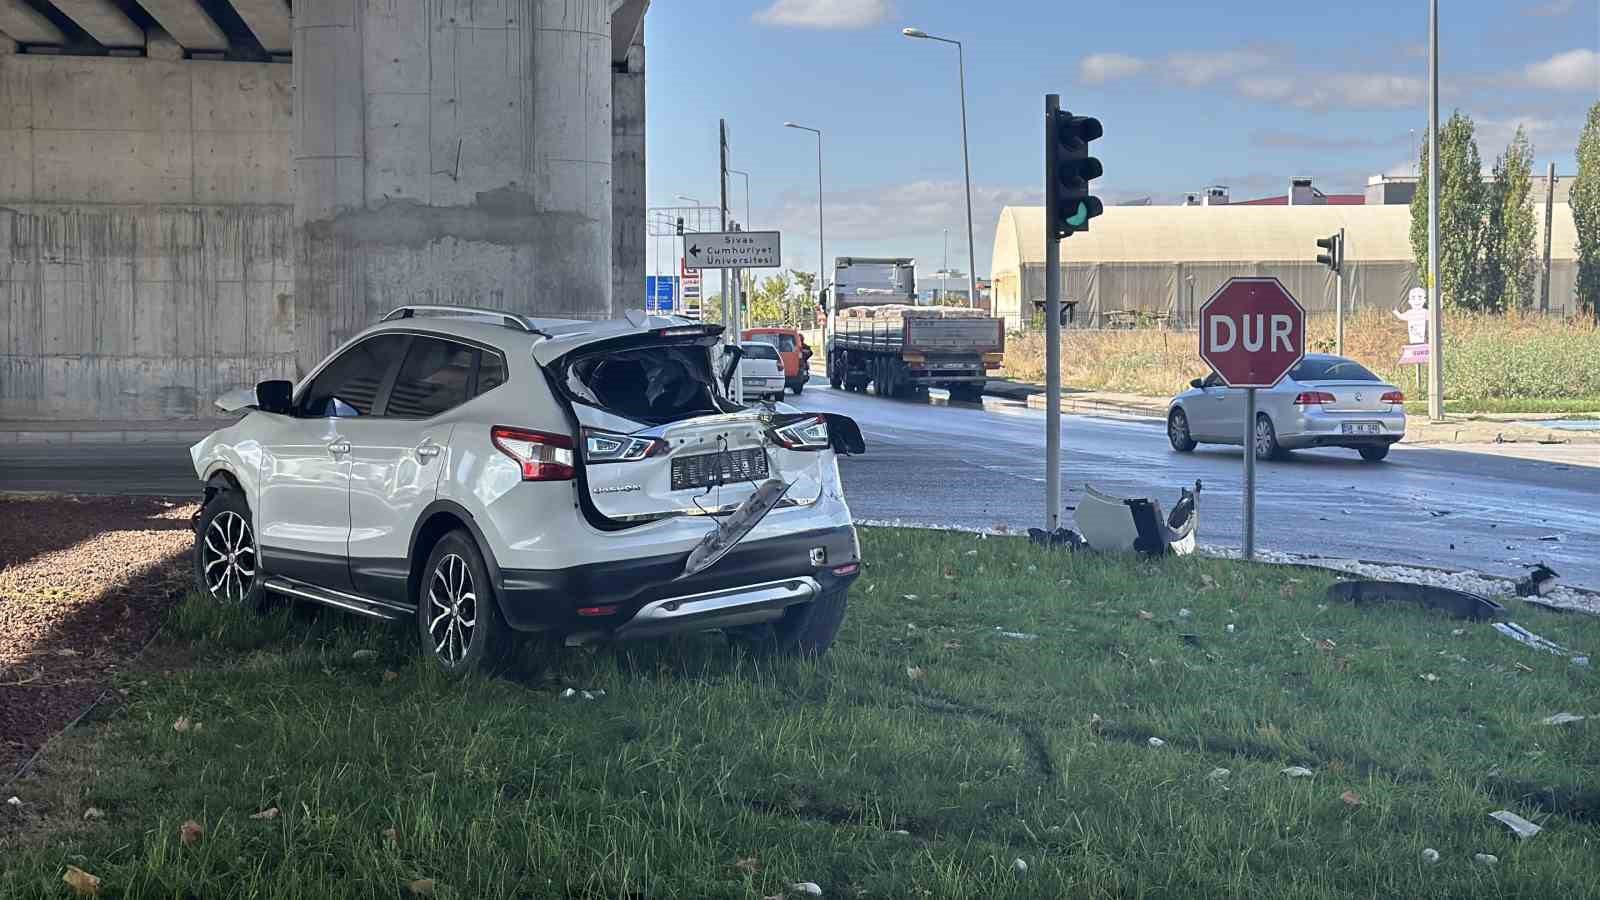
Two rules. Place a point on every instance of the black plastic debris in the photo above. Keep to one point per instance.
(1540, 580)
(1457, 604)
(1061, 538)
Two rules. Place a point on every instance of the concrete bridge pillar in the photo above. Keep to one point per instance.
(453, 151)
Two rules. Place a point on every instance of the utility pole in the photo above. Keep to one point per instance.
(1052, 326)
(1338, 277)
(1549, 203)
(1435, 301)
(722, 224)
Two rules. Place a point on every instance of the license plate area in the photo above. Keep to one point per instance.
(709, 469)
(1361, 428)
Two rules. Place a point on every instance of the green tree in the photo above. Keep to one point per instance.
(768, 301)
(1586, 213)
(1509, 277)
(1462, 199)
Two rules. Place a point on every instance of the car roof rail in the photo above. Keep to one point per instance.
(508, 319)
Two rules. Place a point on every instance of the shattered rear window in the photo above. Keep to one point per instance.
(646, 384)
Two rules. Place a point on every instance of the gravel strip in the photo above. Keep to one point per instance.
(84, 582)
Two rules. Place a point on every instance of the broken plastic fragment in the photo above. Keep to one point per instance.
(1157, 742)
(1519, 826)
(1117, 524)
(806, 889)
(1560, 719)
(1296, 772)
(1019, 866)
(1430, 855)
(1219, 774)
(1485, 859)
(1524, 636)
(1540, 580)
(1458, 604)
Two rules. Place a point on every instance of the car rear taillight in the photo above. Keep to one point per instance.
(1313, 398)
(1394, 397)
(543, 456)
(806, 434)
(606, 447)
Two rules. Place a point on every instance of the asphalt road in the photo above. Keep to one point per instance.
(932, 463)
(929, 462)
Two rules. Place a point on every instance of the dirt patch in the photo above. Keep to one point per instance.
(84, 584)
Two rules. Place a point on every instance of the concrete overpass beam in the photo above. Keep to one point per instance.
(25, 26)
(103, 21)
(188, 24)
(269, 21)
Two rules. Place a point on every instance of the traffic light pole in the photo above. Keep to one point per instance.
(1338, 275)
(1052, 330)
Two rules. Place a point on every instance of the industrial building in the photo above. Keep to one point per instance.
(1163, 261)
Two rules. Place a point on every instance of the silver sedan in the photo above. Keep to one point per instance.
(1324, 401)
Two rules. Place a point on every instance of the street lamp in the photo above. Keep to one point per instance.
(821, 255)
(961, 66)
(746, 176)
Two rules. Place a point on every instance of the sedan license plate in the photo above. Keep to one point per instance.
(1362, 428)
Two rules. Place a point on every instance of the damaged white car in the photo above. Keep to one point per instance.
(486, 474)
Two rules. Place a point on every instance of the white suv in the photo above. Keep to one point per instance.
(486, 474)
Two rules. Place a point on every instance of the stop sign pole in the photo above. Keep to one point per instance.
(1252, 332)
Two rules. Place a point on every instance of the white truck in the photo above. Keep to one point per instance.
(883, 338)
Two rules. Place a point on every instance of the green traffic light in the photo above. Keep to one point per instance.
(1079, 218)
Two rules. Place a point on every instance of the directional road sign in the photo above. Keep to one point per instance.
(733, 250)
(660, 292)
(1252, 332)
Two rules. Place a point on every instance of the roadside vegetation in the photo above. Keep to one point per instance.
(987, 703)
(1503, 363)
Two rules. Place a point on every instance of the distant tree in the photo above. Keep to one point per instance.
(1509, 277)
(1586, 214)
(768, 301)
(1462, 200)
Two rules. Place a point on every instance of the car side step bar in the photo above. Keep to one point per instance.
(366, 606)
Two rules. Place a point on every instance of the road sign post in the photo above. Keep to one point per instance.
(1252, 332)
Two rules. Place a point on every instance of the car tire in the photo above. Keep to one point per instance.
(1178, 432)
(1266, 439)
(806, 629)
(835, 372)
(458, 617)
(797, 387)
(1374, 454)
(227, 564)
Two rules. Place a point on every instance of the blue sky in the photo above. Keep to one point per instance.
(1245, 93)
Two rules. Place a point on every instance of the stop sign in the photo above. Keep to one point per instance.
(1252, 332)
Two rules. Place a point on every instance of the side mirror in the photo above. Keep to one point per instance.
(1196, 383)
(275, 396)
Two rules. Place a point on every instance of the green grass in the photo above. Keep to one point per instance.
(1576, 408)
(698, 757)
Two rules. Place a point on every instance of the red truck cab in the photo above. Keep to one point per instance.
(792, 350)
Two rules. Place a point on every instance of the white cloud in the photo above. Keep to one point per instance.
(824, 13)
(1349, 90)
(1099, 68)
(1196, 69)
(1574, 70)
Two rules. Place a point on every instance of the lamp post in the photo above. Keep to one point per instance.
(961, 70)
(821, 253)
(746, 176)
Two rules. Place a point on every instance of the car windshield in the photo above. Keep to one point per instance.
(760, 351)
(647, 384)
(786, 343)
(1331, 369)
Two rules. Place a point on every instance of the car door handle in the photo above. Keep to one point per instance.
(428, 450)
(339, 447)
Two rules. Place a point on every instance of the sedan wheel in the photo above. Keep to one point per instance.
(1266, 439)
(1178, 432)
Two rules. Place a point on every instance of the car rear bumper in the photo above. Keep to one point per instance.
(755, 578)
(1320, 428)
(772, 385)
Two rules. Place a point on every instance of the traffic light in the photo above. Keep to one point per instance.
(680, 226)
(1069, 205)
(1333, 255)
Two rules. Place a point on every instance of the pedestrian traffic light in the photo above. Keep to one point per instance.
(1069, 205)
(1333, 257)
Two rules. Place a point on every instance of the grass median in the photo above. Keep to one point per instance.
(987, 702)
